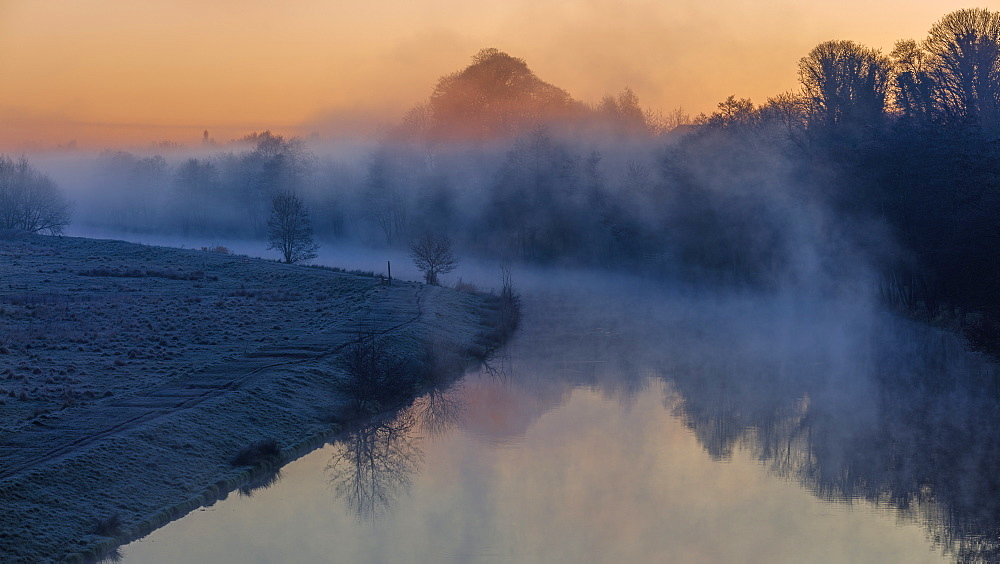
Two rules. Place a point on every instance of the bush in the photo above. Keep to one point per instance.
(110, 526)
(377, 378)
(441, 362)
(259, 453)
(466, 287)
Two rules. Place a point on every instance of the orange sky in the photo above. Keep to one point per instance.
(114, 72)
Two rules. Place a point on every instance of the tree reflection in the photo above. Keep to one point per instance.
(439, 410)
(498, 366)
(263, 480)
(915, 427)
(372, 466)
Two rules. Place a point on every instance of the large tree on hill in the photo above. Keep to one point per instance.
(845, 84)
(29, 200)
(965, 65)
(496, 96)
(289, 229)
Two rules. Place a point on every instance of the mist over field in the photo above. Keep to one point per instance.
(813, 277)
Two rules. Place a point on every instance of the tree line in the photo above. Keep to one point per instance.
(893, 157)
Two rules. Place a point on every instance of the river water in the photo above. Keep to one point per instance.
(628, 423)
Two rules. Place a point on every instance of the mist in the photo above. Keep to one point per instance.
(813, 278)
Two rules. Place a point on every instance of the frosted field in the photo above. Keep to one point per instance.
(130, 375)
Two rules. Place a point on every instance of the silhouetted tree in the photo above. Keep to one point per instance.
(289, 230)
(913, 92)
(787, 110)
(132, 189)
(30, 200)
(623, 114)
(196, 184)
(965, 65)
(433, 256)
(376, 376)
(384, 203)
(536, 199)
(497, 95)
(845, 84)
(732, 112)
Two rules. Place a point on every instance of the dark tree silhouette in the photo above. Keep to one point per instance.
(965, 65)
(732, 112)
(433, 256)
(289, 230)
(496, 96)
(196, 197)
(376, 377)
(623, 114)
(30, 200)
(913, 91)
(384, 202)
(845, 84)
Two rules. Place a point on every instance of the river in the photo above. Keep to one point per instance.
(627, 422)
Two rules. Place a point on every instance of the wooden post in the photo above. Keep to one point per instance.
(388, 265)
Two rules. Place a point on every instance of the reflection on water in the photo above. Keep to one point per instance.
(912, 425)
(843, 434)
(372, 466)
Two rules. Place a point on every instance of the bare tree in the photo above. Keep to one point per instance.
(914, 85)
(845, 83)
(732, 112)
(29, 200)
(384, 202)
(433, 256)
(289, 230)
(965, 64)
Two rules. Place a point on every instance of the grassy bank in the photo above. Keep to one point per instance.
(133, 377)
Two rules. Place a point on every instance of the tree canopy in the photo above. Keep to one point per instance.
(289, 230)
(845, 84)
(30, 200)
(964, 48)
(496, 96)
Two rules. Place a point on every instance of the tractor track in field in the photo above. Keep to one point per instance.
(41, 444)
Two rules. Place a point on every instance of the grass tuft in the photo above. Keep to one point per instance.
(110, 526)
(258, 453)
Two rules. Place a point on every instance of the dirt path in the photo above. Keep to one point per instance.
(396, 307)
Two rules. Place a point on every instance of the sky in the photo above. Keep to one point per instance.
(109, 73)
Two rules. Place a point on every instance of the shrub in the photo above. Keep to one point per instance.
(110, 526)
(260, 482)
(466, 287)
(258, 453)
(441, 362)
(376, 377)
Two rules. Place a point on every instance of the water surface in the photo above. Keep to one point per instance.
(634, 424)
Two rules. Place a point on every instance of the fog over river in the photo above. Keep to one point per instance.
(631, 422)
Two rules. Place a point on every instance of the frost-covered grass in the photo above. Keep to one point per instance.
(78, 322)
(131, 377)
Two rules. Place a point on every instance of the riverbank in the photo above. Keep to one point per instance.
(131, 376)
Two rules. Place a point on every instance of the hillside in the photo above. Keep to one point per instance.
(130, 376)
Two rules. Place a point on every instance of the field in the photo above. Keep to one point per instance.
(131, 375)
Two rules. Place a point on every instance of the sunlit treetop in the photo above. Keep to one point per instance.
(495, 96)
